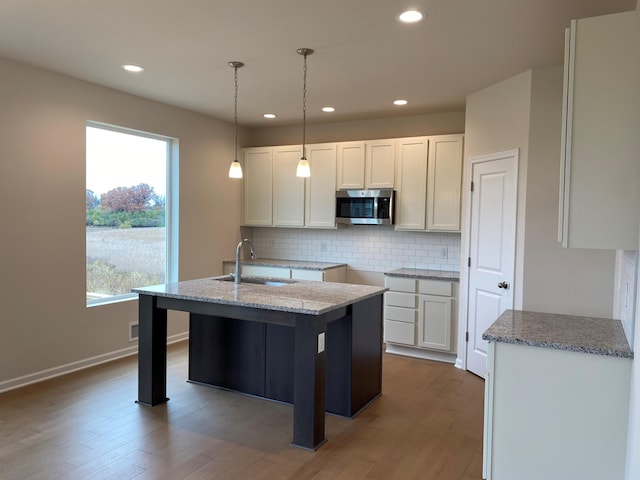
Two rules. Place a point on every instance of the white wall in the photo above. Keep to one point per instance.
(523, 112)
(392, 127)
(556, 279)
(45, 323)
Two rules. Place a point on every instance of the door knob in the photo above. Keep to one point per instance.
(504, 285)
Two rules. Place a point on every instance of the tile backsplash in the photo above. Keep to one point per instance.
(369, 248)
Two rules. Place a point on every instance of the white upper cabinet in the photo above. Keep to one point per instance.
(379, 168)
(369, 164)
(600, 168)
(444, 183)
(425, 171)
(288, 189)
(258, 190)
(320, 199)
(351, 162)
(411, 158)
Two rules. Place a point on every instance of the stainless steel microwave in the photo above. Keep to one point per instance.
(365, 207)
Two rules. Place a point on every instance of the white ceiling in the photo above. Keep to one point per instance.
(363, 60)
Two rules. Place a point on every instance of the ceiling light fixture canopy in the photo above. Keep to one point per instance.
(235, 170)
(304, 169)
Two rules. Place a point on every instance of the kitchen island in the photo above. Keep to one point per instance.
(317, 344)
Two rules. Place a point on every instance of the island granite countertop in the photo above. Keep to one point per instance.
(296, 296)
(425, 274)
(300, 264)
(600, 336)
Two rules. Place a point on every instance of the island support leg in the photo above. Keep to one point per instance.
(152, 352)
(309, 383)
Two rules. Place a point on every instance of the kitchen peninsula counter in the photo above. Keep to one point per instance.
(313, 344)
(562, 382)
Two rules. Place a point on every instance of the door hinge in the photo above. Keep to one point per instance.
(467, 337)
(472, 186)
(469, 262)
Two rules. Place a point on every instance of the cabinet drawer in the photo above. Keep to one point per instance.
(400, 284)
(399, 314)
(399, 332)
(435, 287)
(400, 299)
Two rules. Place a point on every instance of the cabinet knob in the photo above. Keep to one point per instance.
(504, 285)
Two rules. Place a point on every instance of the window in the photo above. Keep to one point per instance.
(131, 234)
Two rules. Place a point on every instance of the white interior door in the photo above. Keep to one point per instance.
(492, 244)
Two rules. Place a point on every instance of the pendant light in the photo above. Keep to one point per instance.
(235, 170)
(304, 169)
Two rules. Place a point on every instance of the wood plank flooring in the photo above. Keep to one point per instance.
(426, 425)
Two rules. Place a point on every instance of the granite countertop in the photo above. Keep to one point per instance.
(303, 265)
(297, 296)
(424, 274)
(600, 336)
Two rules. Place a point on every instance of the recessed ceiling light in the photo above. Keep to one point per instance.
(400, 102)
(411, 16)
(133, 68)
(328, 109)
(269, 115)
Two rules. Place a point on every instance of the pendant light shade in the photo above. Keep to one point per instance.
(304, 169)
(235, 170)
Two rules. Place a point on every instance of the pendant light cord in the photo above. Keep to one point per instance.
(304, 106)
(235, 117)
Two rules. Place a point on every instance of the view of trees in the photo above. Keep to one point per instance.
(126, 207)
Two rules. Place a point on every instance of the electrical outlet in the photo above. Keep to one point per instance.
(323, 246)
(444, 252)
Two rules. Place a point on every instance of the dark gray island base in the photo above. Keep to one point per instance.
(316, 345)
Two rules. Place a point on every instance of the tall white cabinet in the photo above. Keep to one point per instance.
(258, 188)
(600, 169)
(429, 179)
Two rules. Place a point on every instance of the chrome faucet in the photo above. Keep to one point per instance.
(236, 278)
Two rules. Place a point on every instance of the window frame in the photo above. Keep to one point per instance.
(171, 207)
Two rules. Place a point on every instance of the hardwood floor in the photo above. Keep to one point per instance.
(426, 425)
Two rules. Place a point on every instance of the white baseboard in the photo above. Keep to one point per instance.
(420, 353)
(49, 373)
(459, 364)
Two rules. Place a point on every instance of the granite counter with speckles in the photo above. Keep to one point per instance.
(425, 274)
(600, 336)
(296, 296)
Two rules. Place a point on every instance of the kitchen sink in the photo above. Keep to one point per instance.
(271, 282)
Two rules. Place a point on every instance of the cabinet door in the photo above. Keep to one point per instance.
(320, 208)
(350, 165)
(380, 164)
(444, 181)
(257, 183)
(600, 171)
(434, 322)
(411, 196)
(288, 190)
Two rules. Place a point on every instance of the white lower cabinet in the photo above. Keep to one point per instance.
(554, 414)
(334, 274)
(419, 313)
